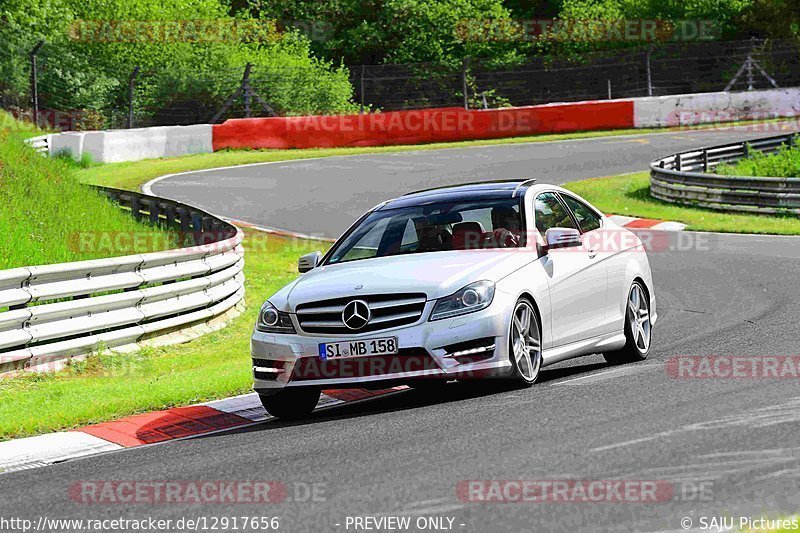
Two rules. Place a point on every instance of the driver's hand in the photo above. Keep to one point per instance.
(505, 238)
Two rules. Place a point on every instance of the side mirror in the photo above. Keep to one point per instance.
(308, 261)
(562, 238)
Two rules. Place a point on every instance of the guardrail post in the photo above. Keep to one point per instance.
(185, 222)
(136, 208)
(705, 160)
(197, 222)
(678, 162)
(169, 213)
(792, 140)
(746, 150)
(154, 212)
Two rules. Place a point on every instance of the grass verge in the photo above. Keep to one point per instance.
(45, 212)
(629, 194)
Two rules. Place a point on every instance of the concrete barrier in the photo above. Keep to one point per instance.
(114, 146)
(706, 108)
(69, 141)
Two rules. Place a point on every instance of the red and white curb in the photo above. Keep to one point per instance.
(153, 428)
(646, 223)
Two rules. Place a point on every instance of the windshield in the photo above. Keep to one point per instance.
(465, 225)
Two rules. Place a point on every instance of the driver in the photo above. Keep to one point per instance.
(505, 222)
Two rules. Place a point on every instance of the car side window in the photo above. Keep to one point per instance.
(550, 213)
(587, 218)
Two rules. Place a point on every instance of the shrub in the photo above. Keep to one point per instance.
(785, 163)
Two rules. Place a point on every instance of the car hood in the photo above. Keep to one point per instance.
(437, 274)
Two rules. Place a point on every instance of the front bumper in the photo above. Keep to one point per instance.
(426, 351)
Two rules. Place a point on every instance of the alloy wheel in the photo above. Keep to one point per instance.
(526, 346)
(639, 318)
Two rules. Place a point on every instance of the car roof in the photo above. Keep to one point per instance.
(484, 190)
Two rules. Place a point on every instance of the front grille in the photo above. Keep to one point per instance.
(387, 310)
(407, 360)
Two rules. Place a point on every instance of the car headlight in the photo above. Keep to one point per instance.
(471, 298)
(270, 320)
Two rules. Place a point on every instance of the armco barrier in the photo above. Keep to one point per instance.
(420, 126)
(685, 179)
(50, 313)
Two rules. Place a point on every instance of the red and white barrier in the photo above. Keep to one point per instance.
(447, 124)
(421, 126)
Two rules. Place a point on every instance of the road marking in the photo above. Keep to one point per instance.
(44, 450)
(788, 412)
(637, 141)
(608, 374)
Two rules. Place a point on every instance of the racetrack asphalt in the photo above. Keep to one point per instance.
(727, 446)
(324, 196)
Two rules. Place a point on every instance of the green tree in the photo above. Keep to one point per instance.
(396, 31)
(92, 46)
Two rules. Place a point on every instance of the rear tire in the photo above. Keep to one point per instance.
(638, 329)
(291, 403)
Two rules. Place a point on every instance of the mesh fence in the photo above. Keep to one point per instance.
(673, 69)
(71, 98)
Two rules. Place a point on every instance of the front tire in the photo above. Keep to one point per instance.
(525, 344)
(638, 328)
(292, 403)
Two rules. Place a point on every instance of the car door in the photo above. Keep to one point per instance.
(577, 283)
(604, 247)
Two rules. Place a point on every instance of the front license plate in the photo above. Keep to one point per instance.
(362, 348)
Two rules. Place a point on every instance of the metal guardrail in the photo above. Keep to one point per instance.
(41, 144)
(50, 313)
(687, 178)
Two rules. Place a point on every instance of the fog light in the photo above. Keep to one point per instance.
(472, 351)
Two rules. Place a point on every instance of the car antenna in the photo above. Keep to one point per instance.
(529, 181)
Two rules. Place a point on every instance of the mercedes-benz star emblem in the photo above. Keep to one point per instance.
(356, 314)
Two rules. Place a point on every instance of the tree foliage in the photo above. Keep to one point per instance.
(93, 45)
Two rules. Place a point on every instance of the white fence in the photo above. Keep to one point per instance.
(50, 313)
